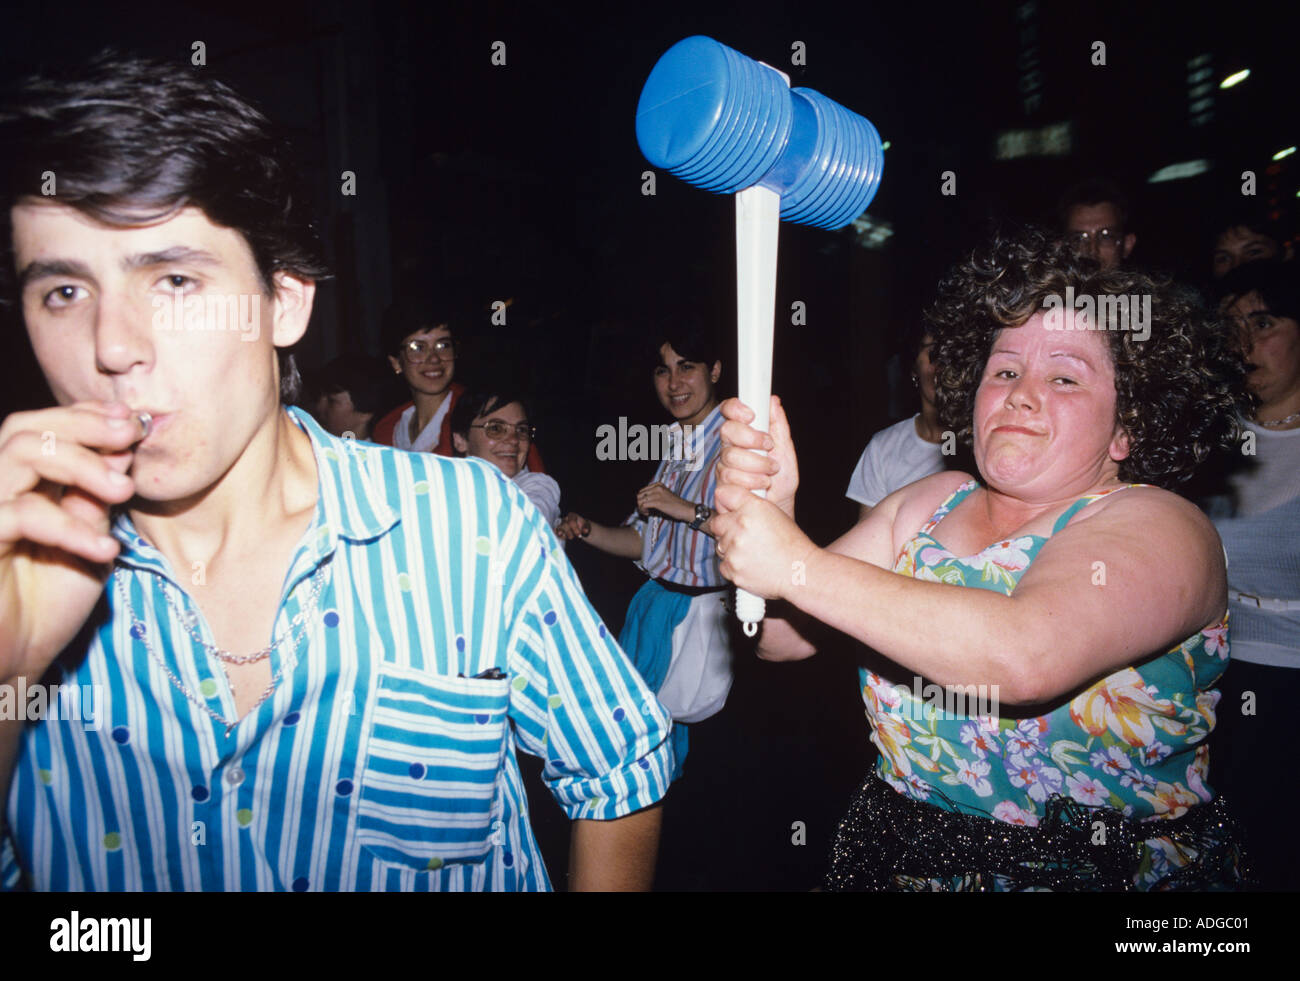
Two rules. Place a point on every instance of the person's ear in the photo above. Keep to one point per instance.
(292, 305)
(1130, 240)
(396, 364)
(1119, 445)
(460, 443)
(716, 373)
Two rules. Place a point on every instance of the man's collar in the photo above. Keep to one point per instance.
(348, 505)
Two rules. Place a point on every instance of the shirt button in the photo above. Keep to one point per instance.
(234, 776)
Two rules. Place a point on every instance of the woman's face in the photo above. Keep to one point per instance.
(1045, 425)
(510, 452)
(685, 388)
(1271, 346)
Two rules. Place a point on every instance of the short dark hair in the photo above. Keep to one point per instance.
(477, 402)
(1093, 190)
(132, 140)
(367, 380)
(1277, 283)
(1254, 217)
(415, 310)
(689, 337)
(910, 340)
(1178, 392)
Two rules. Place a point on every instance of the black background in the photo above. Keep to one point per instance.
(523, 181)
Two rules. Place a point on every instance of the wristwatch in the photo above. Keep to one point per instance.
(702, 514)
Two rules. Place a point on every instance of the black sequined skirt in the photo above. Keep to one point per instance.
(891, 843)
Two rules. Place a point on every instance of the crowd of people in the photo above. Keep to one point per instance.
(1092, 514)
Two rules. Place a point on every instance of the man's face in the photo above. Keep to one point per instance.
(1096, 230)
(509, 451)
(1240, 245)
(428, 371)
(143, 315)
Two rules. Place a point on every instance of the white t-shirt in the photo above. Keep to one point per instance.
(429, 435)
(1261, 539)
(895, 457)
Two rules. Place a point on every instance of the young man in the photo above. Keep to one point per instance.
(311, 659)
(675, 630)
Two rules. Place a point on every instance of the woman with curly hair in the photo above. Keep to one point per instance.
(1053, 626)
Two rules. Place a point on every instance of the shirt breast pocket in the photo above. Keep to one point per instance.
(432, 763)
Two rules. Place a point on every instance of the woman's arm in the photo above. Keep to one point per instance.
(1136, 577)
(792, 634)
(624, 542)
(1141, 572)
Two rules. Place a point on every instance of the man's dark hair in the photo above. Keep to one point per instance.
(1253, 217)
(1277, 283)
(415, 310)
(481, 401)
(1094, 190)
(1177, 393)
(132, 140)
(367, 380)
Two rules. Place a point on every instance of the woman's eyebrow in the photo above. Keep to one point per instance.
(1072, 356)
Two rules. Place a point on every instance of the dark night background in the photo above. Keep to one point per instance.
(522, 182)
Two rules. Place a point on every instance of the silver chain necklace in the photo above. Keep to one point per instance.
(1273, 423)
(141, 633)
(190, 618)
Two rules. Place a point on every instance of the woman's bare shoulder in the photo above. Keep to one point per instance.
(917, 502)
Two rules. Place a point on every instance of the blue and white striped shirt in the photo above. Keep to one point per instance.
(385, 759)
(670, 549)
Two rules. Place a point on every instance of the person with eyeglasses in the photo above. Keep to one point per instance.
(420, 340)
(1094, 218)
(493, 424)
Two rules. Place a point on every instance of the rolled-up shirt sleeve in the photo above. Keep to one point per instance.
(576, 701)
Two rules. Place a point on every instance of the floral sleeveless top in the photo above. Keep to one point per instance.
(1134, 741)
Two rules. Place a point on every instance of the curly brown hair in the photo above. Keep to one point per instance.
(1179, 392)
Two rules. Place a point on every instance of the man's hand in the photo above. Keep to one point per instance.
(61, 470)
(657, 497)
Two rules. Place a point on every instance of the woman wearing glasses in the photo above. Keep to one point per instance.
(493, 425)
(419, 338)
